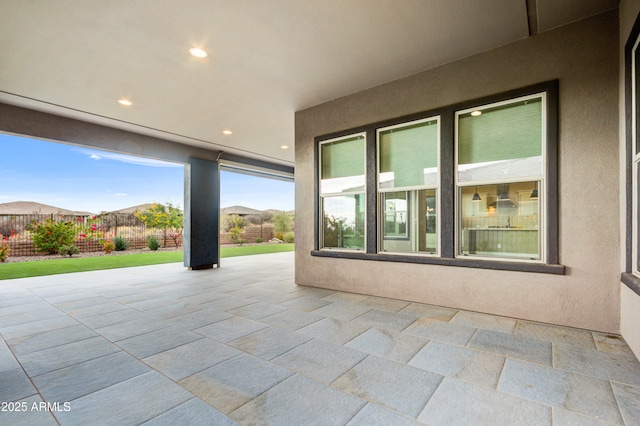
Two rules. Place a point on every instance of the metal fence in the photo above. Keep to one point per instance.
(90, 231)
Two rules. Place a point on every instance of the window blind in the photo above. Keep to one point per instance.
(408, 151)
(343, 158)
(501, 133)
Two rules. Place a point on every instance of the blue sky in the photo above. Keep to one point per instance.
(83, 179)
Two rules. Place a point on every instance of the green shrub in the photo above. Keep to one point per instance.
(49, 236)
(288, 237)
(120, 243)
(279, 236)
(153, 243)
(4, 252)
(68, 250)
(236, 235)
(233, 221)
(108, 246)
(282, 222)
(259, 240)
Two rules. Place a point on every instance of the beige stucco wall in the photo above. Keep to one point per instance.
(584, 57)
(629, 301)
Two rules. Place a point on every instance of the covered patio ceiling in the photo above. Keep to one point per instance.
(266, 59)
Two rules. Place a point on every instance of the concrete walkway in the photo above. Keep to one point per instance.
(243, 344)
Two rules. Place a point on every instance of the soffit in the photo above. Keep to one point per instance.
(267, 59)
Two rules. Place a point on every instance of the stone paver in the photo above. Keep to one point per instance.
(161, 345)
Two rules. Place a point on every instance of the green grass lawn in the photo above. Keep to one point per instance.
(60, 265)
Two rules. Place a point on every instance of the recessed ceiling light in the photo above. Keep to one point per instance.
(476, 113)
(284, 146)
(198, 53)
(227, 132)
(125, 102)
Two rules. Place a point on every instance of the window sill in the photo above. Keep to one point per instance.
(542, 268)
(631, 281)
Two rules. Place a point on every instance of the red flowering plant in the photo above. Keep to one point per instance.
(49, 235)
(90, 231)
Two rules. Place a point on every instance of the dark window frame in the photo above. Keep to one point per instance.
(448, 188)
(627, 276)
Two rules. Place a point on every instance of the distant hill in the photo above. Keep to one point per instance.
(246, 211)
(274, 212)
(133, 209)
(31, 207)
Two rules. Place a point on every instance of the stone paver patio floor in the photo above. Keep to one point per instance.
(160, 345)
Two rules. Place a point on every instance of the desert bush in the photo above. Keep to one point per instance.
(282, 222)
(120, 243)
(48, 236)
(4, 251)
(236, 235)
(108, 246)
(287, 237)
(153, 243)
(68, 250)
(259, 240)
(233, 221)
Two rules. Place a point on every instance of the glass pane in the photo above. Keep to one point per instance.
(396, 212)
(500, 220)
(637, 213)
(501, 142)
(343, 221)
(409, 155)
(410, 221)
(636, 100)
(342, 168)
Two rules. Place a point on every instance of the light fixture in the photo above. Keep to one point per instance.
(125, 102)
(476, 196)
(284, 146)
(227, 132)
(504, 195)
(476, 113)
(534, 193)
(198, 53)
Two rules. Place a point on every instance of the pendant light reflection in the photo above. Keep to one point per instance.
(534, 193)
(476, 196)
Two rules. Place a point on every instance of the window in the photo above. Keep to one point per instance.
(471, 185)
(342, 192)
(407, 184)
(635, 131)
(500, 179)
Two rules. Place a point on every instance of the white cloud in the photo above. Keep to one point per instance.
(120, 194)
(95, 157)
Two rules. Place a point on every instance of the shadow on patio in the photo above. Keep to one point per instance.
(243, 343)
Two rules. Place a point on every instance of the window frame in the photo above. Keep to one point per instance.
(631, 274)
(447, 191)
(540, 178)
(410, 190)
(322, 196)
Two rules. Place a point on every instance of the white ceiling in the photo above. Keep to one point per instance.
(267, 58)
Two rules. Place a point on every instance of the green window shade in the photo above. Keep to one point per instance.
(343, 158)
(501, 133)
(637, 96)
(408, 151)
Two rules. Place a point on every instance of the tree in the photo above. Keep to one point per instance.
(168, 218)
(282, 222)
(233, 221)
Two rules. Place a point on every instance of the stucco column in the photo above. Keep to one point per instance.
(201, 214)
